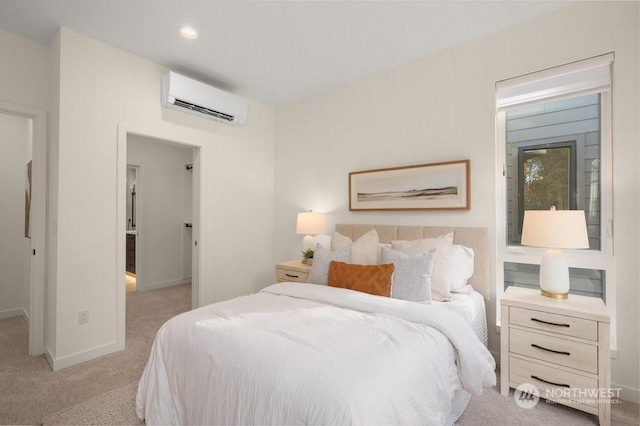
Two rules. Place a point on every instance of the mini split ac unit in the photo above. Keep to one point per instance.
(194, 97)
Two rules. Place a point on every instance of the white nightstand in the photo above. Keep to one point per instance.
(292, 270)
(559, 346)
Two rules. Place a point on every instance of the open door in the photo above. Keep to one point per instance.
(35, 210)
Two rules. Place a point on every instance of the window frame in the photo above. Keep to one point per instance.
(522, 147)
(587, 259)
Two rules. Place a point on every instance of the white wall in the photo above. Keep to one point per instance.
(15, 151)
(443, 108)
(24, 78)
(160, 211)
(100, 88)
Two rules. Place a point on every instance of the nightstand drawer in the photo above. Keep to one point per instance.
(557, 382)
(559, 324)
(290, 275)
(580, 356)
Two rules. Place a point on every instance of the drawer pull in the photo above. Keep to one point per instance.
(292, 276)
(550, 323)
(551, 383)
(550, 350)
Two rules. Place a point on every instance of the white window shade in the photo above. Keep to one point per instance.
(582, 77)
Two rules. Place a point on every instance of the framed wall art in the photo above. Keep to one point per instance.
(436, 186)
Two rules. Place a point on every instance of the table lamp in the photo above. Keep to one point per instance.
(555, 230)
(310, 223)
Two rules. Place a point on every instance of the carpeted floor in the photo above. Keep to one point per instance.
(490, 408)
(30, 391)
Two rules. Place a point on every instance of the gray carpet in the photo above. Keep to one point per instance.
(490, 408)
(116, 407)
(30, 391)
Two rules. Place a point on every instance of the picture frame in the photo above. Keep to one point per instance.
(435, 186)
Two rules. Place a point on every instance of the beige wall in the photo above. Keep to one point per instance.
(25, 88)
(101, 88)
(24, 74)
(442, 108)
(15, 139)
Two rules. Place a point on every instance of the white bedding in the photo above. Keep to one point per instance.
(310, 354)
(472, 308)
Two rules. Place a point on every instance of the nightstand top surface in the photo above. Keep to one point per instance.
(586, 307)
(295, 264)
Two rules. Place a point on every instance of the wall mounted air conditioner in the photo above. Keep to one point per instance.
(194, 97)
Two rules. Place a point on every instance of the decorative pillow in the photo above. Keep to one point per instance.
(322, 257)
(441, 272)
(411, 247)
(372, 279)
(461, 267)
(364, 251)
(452, 268)
(412, 275)
(339, 241)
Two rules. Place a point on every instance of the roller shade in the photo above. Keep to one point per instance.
(577, 78)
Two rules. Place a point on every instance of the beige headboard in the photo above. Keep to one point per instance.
(476, 238)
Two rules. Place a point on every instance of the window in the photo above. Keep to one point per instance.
(554, 145)
(553, 156)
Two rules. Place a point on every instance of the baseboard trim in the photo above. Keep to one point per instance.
(496, 356)
(80, 357)
(627, 393)
(17, 312)
(48, 356)
(165, 284)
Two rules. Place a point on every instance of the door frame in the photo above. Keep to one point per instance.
(176, 135)
(38, 217)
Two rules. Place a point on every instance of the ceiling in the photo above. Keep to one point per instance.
(275, 52)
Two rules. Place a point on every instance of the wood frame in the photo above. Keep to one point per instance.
(435, 186)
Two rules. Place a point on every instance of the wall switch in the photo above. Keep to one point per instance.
(83, 316)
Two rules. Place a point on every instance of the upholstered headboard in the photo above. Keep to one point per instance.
(476, 238)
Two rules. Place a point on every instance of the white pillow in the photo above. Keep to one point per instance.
(441, 272)
(322, 258)
(412, 275)
(364, 250)
(411, 247)
(452, 267)
(461, 267)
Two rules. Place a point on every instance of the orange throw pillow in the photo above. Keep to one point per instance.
(372, 279)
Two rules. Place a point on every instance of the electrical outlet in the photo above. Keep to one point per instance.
(83, 316)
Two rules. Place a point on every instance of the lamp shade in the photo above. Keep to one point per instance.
(311, 223)
(555, 229)
(561, 229)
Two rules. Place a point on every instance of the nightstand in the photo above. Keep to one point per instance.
(293, 271)
(560, 346)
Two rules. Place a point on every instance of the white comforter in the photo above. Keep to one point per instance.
(310, 354)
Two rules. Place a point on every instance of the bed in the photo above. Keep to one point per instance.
(316, 354)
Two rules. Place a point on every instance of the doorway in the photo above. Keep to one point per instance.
(158, 179)
(158, 235)
(27, 230)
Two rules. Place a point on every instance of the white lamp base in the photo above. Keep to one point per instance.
(308, 243)
(554, 275)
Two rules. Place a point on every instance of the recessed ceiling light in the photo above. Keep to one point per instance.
(188, 32)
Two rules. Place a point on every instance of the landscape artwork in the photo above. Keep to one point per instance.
(436, 186)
